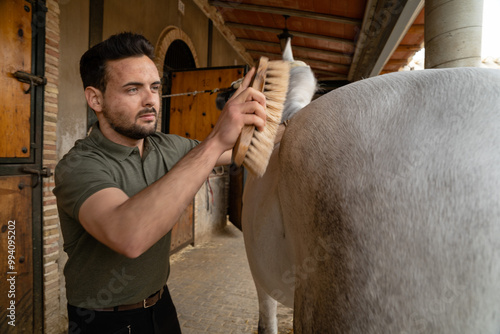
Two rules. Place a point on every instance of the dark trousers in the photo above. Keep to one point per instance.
(159, 318)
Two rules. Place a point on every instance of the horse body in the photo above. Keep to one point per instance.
(380, 209)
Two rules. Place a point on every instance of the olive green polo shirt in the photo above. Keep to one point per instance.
(96, 276)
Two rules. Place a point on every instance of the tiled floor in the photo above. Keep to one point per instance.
(213, 290)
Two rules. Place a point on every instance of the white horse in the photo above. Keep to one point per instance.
(269, 253)
(380, 210)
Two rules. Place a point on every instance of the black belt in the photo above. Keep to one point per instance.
(145, 303)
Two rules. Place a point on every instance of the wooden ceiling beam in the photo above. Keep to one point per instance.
(397, 62)
(259, 42)
(409, 48)
(416, 29)
(294, 33)
(330, 75)
(285, 11)
(385, 24)
(335, 78)
(308, 61)
(404, 22)
(296, 47)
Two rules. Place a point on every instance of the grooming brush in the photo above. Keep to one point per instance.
(253, 148)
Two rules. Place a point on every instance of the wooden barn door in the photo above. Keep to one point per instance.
(22, 38)
(193, 116)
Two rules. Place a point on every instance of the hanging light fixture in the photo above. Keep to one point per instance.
(285, 35)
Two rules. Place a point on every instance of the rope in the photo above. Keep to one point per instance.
(211, 91)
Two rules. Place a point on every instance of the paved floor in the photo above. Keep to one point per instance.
(213, 290)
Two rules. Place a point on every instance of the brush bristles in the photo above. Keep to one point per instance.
(262, 144)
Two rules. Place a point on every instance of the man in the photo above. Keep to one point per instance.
(120, 190)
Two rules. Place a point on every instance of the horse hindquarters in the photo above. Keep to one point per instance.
(390, 188)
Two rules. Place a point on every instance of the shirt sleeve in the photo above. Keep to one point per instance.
(77, 177)
(174, 147)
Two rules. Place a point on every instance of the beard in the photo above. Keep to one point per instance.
(131, 130)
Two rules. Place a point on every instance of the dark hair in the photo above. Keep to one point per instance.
(119, 46)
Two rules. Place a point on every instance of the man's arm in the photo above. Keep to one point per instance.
(131, 225)
(225, 159)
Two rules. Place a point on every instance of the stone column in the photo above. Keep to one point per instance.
(453, 33)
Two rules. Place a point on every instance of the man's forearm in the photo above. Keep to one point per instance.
(225, 158)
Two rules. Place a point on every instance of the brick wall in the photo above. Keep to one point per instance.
(54, 321)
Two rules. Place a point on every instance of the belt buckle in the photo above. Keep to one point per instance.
(145, 303)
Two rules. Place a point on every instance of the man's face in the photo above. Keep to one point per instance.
(132, 97)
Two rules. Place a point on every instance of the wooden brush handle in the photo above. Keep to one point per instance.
(245, 138)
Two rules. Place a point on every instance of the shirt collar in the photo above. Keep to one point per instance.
(148, 147)
(120, 152)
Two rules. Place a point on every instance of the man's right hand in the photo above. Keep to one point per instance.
(246, 107)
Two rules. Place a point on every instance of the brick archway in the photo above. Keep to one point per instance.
(167, 37)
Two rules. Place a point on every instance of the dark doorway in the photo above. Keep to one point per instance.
(178, 57)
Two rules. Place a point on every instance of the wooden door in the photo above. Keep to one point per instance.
(22, 39)
(194, 116)
(15, 38)
(16, 260)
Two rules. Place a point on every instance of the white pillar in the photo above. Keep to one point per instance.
(453, 33)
